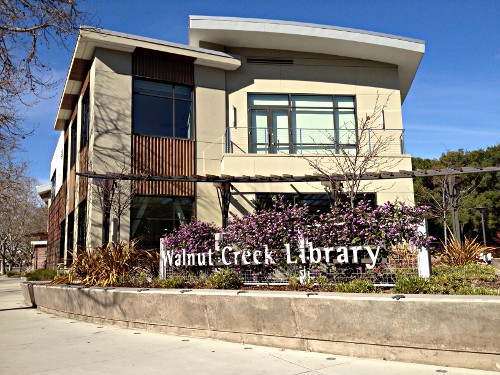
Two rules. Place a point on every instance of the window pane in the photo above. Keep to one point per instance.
(312, 101)
(346, 122)
(280, 131)
(268, 99)
(153, 88)
(344, 102)
(183, 92)
(153, 116)
(258, 130)
(153, 216)
(182, 119)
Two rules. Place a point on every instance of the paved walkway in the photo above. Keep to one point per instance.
(33, 342)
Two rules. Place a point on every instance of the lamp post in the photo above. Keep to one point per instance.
(482, 209)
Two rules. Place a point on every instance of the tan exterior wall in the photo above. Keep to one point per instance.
(210, 117)
(111, 128)
(372, 83)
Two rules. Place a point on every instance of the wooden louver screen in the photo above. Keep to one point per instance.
(163, 66)
(163, 157)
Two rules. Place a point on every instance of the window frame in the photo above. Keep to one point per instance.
(293, 146)
(174, 99)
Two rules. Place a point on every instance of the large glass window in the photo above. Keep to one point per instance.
(162, 109)
(85, 129)
(73, 145)
(81, 241)
(283, 123)
(153, 216)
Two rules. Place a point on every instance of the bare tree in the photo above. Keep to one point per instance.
(26, 28)
(114, 197)
(361, 151)
(21, 213)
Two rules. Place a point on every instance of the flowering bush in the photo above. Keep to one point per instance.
(276, 226)
(386, 225)
(194, 237)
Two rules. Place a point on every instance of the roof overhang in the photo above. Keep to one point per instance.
(44, 191)
(404, 52)
(91, 38)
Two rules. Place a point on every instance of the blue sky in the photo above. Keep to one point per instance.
(454, 101)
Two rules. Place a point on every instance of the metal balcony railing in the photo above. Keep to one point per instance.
(262, 140)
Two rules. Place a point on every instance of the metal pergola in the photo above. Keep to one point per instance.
(224, 182)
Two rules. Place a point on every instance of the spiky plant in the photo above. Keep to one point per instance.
(458, 254)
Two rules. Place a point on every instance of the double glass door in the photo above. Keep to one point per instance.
(270, 131)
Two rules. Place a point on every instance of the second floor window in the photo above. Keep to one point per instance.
(162, 109)
(301, 124)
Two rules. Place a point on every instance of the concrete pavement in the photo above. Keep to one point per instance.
(33, 342)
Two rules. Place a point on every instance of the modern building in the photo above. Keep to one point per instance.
(245, 97)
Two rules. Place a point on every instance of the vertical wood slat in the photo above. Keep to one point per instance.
(57, 213)
(82, 187)
(163, 66)
(71, 185)
(163, 157)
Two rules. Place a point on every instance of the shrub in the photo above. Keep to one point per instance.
(41, 275)
(457, 254)
(194, 237)
(387, 225)
(275, 226)
(224, 279)
(469, 271)
(172, 282)
(13, 274)
(355, 286)
(116, 263)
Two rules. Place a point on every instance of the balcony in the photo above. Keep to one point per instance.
(303, 141)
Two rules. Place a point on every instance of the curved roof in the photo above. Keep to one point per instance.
(404, 52)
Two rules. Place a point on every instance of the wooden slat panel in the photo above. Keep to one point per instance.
(163, 157)
(163, 66)
(57, 213)
(71, 189)
(82, 187)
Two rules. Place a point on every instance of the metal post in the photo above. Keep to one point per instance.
(481, 210)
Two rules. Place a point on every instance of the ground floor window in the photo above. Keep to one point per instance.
(153, 216)
(318, 203)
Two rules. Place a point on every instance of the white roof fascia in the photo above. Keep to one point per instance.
(406, 53)
(90, 38)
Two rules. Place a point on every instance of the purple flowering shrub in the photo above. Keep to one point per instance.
(387, 225)
(194, 237)
(280, 224)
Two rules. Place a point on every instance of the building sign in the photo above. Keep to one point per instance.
(307, 254)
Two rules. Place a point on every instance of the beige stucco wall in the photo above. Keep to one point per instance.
(372, 83)
(210, 117)
(111, 127)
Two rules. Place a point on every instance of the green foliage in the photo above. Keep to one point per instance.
(467, 252)
(41, 275)
(449, 280)
(14, 274)
(224, 279)
(322, 281)
(173, 282)
(470, 272)
(355, 286)
(115, 264)
(481, 190)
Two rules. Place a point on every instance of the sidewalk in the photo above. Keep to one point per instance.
(33, 342)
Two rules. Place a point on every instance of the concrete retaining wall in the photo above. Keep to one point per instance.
(462, 331)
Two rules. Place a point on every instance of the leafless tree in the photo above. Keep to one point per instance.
(27, 27)
(114, 197)
(21, 213)
(364, 153)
